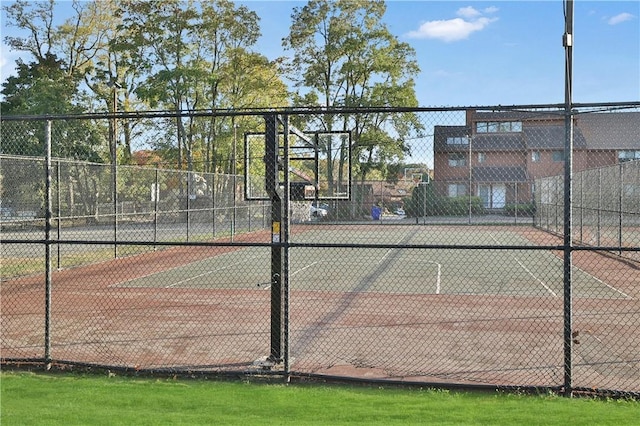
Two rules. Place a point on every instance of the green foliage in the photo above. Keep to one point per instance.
(39, 88)
(522, 209)
(170, 55)
(424, 200)
(45, 88)
(345, 56)
(456, 206)
(185, 55)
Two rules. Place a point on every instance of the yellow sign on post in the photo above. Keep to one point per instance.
(275, 232)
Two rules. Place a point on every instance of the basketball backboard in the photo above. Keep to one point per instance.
(319, 164)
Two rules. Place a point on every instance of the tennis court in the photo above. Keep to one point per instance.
(513, 272)
(444, 303)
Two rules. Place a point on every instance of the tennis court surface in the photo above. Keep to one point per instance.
(452, 304)
(462, 271)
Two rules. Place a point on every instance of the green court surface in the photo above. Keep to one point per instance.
(517, 272)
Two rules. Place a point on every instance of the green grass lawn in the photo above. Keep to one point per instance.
(74, 399)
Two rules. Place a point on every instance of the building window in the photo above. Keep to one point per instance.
(457, 189)
(628, 155)
(498, 126)
(514, 126)
(535, 156)
(481, 157)
(457, 159)
(558, 156)
(461, 140)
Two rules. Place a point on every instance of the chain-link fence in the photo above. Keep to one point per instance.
(150, 205)
(431, 246)
(606, 206)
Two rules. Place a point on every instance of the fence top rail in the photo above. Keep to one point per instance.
(318, 110)
(6, 157)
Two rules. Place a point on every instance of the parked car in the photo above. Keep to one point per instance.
(6, 211)
(319, 210)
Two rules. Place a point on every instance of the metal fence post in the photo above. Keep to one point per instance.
(213, 204)
(156, 199)
(581, 208)
(47, 247)
(114, 184)
(568, 186)
(517, 203)
(470, 178)
(58, 210)
(189, 189)
(621, 204)
(286, 222)
(598, 226)
(234, 216)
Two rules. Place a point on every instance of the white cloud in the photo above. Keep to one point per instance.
(468, 12)
(620, 18)
(451, 29)
(470, 20)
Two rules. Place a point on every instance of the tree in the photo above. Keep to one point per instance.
(125, 55)
(51, 84)
(110, 73)
(234, 77)
(160, 44)
(198, 57)
(37, 20)
(45, 88)
(344, 56)
(251, 81)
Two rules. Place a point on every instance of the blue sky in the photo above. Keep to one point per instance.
(504, 52)
(485, 53)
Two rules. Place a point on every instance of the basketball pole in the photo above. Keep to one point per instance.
(272, 187)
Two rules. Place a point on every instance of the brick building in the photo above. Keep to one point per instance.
(497, 155)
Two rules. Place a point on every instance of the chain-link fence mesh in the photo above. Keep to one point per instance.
(440, 255)
(605, 206)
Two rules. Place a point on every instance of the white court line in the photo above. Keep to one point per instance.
(306, 267)
(577, 269)
(438, 278)
(603, 283)
(210, 272)
(141, 277)
(528, 271)
(390, 250)
(533, 275)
